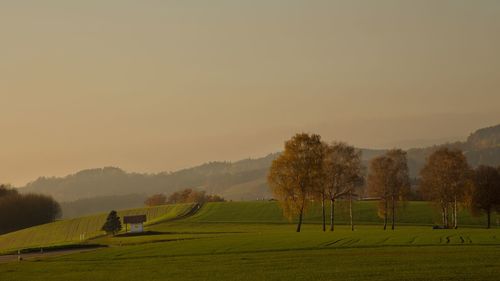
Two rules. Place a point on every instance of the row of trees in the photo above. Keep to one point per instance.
(18, 211)
(310, 170)
(184, 196)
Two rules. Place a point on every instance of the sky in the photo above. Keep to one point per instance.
(154, 86)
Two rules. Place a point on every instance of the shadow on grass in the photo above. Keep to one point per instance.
(56, 248)
(149, 233)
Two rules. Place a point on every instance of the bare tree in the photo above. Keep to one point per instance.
(485, 193)
(445, 178)
(379, 179)
(296, 173)
(320, 191)
(389, 180)
(399, 187)
(342, 170)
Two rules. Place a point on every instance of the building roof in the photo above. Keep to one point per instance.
(134, 219)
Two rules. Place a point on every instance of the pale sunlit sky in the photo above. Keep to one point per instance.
(155, 86)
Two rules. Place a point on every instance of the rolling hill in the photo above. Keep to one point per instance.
(241, 180)
(78, 229)
(251, 241)
(217, 217)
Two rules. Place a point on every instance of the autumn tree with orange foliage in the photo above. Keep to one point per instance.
(156, 200)
(295, 175)
(193, 196)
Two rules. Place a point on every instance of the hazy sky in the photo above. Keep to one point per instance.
(160, 85)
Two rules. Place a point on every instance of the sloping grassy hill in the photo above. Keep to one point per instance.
(70, 231)
(248, 191)
(365, 212)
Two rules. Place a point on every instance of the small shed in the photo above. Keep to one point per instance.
(136, 223)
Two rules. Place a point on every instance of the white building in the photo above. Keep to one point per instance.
(136, 223)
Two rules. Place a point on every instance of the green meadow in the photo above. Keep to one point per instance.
(364, 212)
(252, 241)
(75, 230)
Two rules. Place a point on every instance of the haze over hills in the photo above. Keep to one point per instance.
(99, 189)
(213, 177)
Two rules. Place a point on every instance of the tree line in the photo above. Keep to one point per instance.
(310, 170)
(187, 195)
(18, 211)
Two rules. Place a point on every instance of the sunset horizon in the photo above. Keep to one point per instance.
(250, 140)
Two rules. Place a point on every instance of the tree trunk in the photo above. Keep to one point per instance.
(300, 220)
(452, 223)
(332, 213)
(385, 214)
(323, 210)
(455, 215)
(446, 216)
(488, 214)
(393, 212)
(443, 216)
(350, 211)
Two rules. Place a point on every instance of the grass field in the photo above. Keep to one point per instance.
(70, 231)
(365, 212)
(426, 263)
(250, 241)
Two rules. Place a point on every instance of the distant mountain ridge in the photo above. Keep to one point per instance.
(241, 180)
(214, 177)
(481, 148)
(486, 138)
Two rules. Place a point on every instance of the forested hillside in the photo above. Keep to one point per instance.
(214, 177)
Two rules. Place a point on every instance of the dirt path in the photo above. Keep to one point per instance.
(32, 256)
(189, 213)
